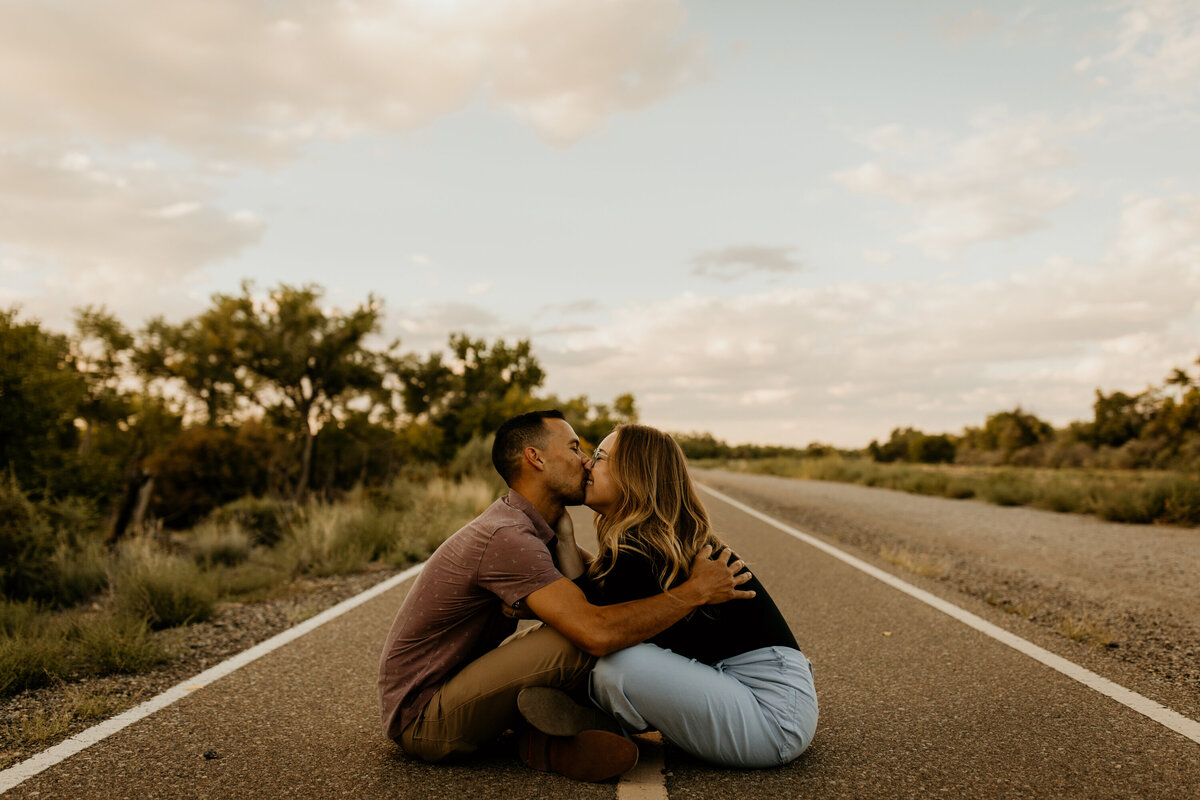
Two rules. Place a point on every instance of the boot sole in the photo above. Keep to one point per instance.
(552, 712)
(590, 756)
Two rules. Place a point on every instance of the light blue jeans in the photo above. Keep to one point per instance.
(757, 709)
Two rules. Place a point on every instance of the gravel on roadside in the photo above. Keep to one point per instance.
(35, 720)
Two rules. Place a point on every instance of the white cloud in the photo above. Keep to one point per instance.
(1001, 181)
(847, 362)
(423, 327)
(255, 81)
(99, 234)
(874, 256)
(958, 29)
(1159, 40)
(224, 82)
(735, 262)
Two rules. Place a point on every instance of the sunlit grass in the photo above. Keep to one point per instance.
(154, 583)
(1086, 630)
(1021, 609)
(915, 562)
(1117, 495)
(46, 724)
(160, 587)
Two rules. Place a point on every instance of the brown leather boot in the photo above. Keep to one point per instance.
(553, 712)
(588, 756)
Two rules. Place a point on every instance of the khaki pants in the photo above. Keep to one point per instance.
(480, 702)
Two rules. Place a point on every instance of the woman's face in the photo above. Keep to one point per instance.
(601, 492)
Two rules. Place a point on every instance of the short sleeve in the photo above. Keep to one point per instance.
(515, 565)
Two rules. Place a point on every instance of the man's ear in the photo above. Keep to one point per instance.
(534, 458)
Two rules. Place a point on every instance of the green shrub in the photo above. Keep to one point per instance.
(1181, 500)
(335, 539)
(164, 590)
(399, 495)
(262, 518)
(251, 580)
(1007, 489)
(919, 481)
(26, 546)
(444, 507)
(75, 520)
(117, 643)
(28, 662)
(214, 543)
(80, 571)
(1062, 496)
(959, 488)
(204, 468)
(1132, 504)
(17, 617)
(474, 460)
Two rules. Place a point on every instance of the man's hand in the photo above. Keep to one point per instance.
(715, 580)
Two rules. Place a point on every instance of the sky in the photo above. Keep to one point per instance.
(777, 222)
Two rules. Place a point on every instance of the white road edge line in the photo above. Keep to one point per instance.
(1164, 716)
(19, 773)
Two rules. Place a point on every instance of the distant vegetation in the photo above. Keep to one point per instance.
(1136, 460)
(147, 476)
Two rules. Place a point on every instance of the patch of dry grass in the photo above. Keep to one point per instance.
(45, 725)
(1134, 496)
(918, 563)
(1023, 610)
(40, 726)
(1086, 630)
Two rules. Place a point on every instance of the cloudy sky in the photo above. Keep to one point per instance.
(779, 222)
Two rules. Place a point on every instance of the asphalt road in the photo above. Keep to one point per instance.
(913, 704)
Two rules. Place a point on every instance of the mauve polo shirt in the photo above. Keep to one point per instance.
(453, 613)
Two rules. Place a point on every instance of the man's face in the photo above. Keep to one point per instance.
(566, 465)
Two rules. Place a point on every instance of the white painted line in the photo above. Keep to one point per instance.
(19, 773)
(647, 780)
(1164, 716)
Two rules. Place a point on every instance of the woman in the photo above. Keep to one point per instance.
(728, 684)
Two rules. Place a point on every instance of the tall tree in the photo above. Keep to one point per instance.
(41, 394)
(472, 392)
(101, 350)
(202, 354)
(302, 356)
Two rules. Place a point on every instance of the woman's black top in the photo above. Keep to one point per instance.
(710, 633)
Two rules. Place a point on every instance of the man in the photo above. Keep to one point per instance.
(449, 680)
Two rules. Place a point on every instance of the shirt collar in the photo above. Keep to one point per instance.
(516, 500)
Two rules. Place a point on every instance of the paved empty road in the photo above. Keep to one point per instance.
(913, 704)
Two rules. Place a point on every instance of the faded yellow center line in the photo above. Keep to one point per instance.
(647, 780)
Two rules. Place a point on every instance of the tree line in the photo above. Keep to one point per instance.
(269, 393)
(1158, 428)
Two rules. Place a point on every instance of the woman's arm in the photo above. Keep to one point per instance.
(567, 555)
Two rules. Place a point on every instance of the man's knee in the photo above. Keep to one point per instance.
(573, 663)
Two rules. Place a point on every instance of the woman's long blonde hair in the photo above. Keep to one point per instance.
(657, 501)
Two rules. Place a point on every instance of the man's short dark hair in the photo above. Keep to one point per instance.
(526, 430)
